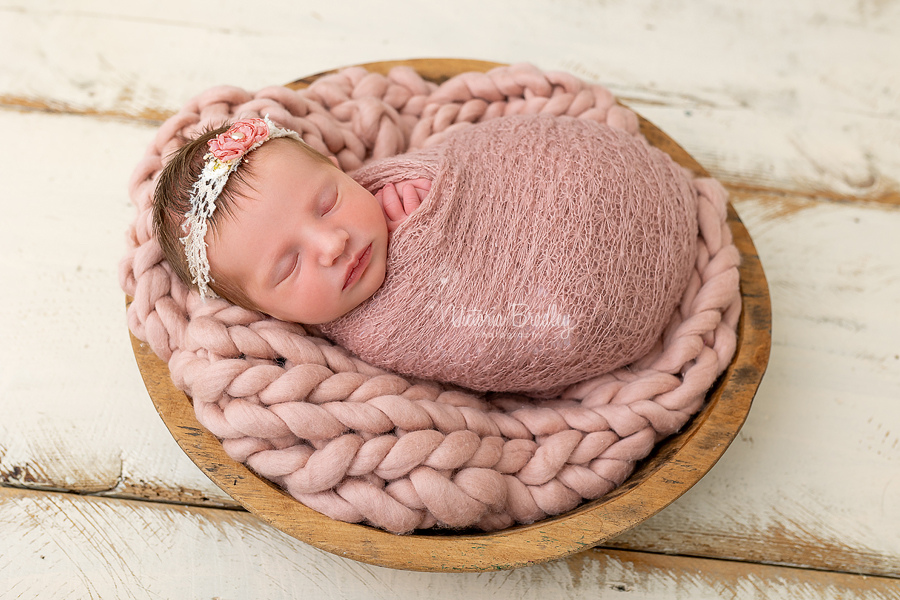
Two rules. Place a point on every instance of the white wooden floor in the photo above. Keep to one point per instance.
(794, 105)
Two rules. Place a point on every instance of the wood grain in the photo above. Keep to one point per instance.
(667, 473)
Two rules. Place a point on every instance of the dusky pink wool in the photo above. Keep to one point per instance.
(548, 251)
(361, 444)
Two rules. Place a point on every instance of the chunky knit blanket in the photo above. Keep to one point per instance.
(362, 444)
(548, 251)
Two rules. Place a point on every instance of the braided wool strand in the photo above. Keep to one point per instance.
(363, 445)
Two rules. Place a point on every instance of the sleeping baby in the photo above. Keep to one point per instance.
(520, 254)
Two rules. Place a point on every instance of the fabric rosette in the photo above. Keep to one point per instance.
(240, 138)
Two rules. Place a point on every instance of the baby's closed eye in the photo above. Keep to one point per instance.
(284, 269)
(328, 201)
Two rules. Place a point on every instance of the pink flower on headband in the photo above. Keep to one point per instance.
(239, 139)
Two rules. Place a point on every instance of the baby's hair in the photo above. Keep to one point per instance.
(172, 201)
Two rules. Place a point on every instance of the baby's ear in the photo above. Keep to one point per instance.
(334, 161)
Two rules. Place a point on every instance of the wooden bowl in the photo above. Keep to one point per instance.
(671, 469)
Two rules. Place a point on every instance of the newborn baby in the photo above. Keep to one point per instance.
(291, 234)
(521, 254)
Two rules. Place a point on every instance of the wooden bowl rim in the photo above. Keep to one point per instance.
(672, 468)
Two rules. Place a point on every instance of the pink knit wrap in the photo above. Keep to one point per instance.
(548, 251)
(361, 444)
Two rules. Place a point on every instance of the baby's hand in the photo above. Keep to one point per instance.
(401, 199)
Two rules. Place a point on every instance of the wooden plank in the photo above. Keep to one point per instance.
(68, 546)
(774, 95)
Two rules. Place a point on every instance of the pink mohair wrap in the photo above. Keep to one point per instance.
(548, 251)
(361, 444)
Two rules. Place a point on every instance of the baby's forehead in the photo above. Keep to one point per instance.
(290, 148)
(273, 162)
(286, 147)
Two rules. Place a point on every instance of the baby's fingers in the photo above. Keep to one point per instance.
(411, 199)
(422, 184)
(390, 202)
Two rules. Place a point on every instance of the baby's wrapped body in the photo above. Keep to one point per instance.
(549, 250)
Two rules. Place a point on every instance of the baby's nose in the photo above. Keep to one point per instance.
(333, 244)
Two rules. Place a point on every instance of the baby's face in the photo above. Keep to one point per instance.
(306, 244)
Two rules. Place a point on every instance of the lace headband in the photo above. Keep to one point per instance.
(224, 156)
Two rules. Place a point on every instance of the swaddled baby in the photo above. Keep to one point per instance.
(520, 254)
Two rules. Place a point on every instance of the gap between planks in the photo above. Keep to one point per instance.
(132, 493)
